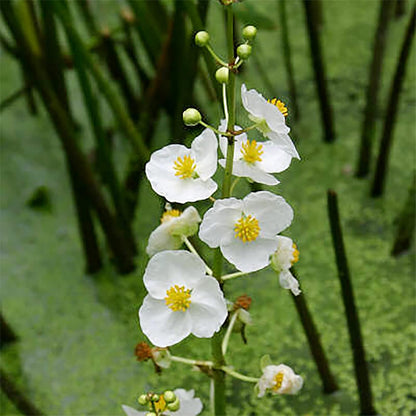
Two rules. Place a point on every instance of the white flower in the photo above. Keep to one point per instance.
(285, 256)
(184, 175)
(246, 230)
(182, 299)
(279, 379)
(174, 226)
(189, 405)
(255, 160)
(271, 121)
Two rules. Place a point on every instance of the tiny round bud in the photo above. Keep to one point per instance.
(202, 38)
(244, 51)
(191, 117)
(169, 396)
(151, 414)
(222, 75)
(174, 406)
(155, 398)
(143, 399)
(249, 32)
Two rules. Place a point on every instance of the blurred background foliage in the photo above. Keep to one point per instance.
(88, 90)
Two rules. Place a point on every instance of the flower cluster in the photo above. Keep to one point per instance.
(184, 296)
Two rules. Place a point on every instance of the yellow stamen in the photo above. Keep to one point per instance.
(169, 214)
(178, 298)
(280, 105)
(247, 228)
(278, 379)
(184, 167)
(295, 255)
(160, 405)
(251, 151)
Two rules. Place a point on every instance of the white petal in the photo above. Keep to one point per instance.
(204, 147)
(208, 308)
(241, 138)
(272, 211)
(161, 239)
(250, 256)
(274, 159)
(254, 172)
(169, 268)
(218, 221)
(129, 411)
(186, 224)
(190, 190)
(283, 256)
(288, 281)
(161, 325)
(189, 405)
(284, 142)
(253, 102)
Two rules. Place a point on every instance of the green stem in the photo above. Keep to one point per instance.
(216, 342)
(221, 133)
(238, 375)
(232, 276)
(191, 362)
(215, 56)
(193, 250)
(228, 333)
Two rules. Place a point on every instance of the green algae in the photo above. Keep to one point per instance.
(77, 333)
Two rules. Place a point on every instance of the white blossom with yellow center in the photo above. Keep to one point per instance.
(285, 256)
(246, 230)
(174, 226)
(188, 405)
(255, 160)
(184, 175)
(182, 299)
(269, 115)
(279, 379)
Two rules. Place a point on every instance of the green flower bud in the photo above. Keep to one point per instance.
(222, 75)
(169, 396)
(143, 399)
(174, 406)
(191, 117)
(244, 51)
(155, 398)
(249, 32)
(202, 38)
(151, 414)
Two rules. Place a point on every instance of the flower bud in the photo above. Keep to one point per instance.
(202, 38)
(191, 117)
(169, 396)
(151, 414)
(244, 51)
(143, 399)
(174, 406)
(222, 75)
(249, 32)
(155, 398)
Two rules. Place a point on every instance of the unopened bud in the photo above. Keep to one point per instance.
(174, 406)
(151, 414)
(244, 51)
(169, 396)
(143, 399)
(222, 75)
(249, 32)
(155, 398)
(191, 117)
(202, 38)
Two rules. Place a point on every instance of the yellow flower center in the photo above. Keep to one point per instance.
(247, 228)
(160, 405)
(280, 105)
(178, 298)
(295, 254)
(169, 214)
(278, 380)
(185, 168)
(251, 151)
